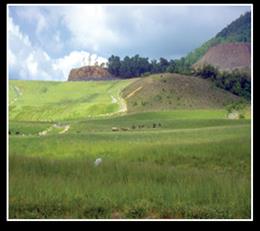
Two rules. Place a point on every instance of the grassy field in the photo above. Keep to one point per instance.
(184, 163)
(48, 101)
(187, 168)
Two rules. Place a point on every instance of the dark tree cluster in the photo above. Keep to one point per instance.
(236, 81)
(128, 67)
(139, 66)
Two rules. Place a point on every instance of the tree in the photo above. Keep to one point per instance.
(125, 68)
(171, 67)
(114, 65)
(155, 67)
(207, 71)
(163, 64)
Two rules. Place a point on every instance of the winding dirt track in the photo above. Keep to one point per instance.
(45, 132)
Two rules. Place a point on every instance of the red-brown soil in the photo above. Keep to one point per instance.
(227, 56)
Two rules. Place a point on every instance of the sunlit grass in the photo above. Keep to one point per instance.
(187, 168)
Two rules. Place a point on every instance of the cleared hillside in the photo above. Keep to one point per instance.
(174, 91)
(228, 56)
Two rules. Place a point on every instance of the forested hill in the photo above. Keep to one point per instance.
(237, 31)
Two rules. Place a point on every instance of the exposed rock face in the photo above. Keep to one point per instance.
(227, 56)
(89, 73)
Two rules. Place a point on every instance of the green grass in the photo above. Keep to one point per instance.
(56, 101)
(61, 101)
(180, 160)
(197, 165)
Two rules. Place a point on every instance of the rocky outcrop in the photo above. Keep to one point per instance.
(87, 73)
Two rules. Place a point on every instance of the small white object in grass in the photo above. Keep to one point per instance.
(98, 161)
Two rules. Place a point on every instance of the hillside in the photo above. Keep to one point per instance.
(228, 56)
(51, 101)
(237, 31)
(54, 101)
(174, 91)
(89, 73)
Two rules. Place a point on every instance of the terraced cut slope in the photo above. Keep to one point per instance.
(51, 101)
(173, 91)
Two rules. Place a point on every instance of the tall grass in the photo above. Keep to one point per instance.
(201, 172)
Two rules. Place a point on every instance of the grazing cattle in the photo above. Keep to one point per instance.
(115, 129)
(124, 129)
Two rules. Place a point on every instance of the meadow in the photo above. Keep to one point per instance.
(52, 101)
(176, 164)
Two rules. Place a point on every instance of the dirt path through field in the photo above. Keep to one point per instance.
(66, 128)
(18, 93)
(133, 92)
(122, 105)
(114, 100)
(45, 132)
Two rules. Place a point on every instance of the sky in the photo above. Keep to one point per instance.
(46, 41)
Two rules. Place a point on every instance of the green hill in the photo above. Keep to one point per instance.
(173, 91)
(46, 101)
(59, 101)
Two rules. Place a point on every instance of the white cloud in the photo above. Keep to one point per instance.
(42, 23)
(33, 14)
(26, 61)
(32, 65)
(14, 31)
(89, 27)
(11, 58)
(153, 31)
(76, 59)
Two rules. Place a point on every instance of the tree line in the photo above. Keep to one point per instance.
(136, 66)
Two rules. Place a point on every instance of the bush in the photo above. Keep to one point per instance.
(236, 81)
(207, 71)
(146, 74)
(236, 106)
